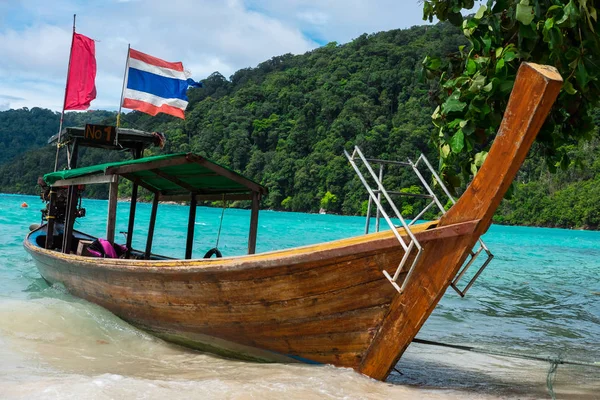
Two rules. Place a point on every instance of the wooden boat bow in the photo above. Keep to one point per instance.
(535, 90)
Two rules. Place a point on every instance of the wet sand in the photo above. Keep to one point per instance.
(84, 352)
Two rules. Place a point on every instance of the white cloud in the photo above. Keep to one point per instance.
(313, 17)
(205, 35)
(343, 20)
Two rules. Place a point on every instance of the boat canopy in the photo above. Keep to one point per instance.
(171, 176)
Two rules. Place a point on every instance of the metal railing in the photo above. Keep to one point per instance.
(411, 245)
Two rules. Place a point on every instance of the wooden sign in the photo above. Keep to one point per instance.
(100, 133)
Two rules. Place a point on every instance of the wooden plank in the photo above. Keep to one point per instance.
(303, 345)
(86, 180)
(253, 223)
(227, 173)
(141, 183)
(156, 307)
(207, 288)
(363, 319)
(535, 90)
(151, 227)
(113, 194)
(189, 244)
(174, 179)
(208, 197)
(132, 168)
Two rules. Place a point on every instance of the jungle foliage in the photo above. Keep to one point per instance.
(476, 80)
(286, 123)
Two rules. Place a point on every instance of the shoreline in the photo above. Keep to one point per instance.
(128, 200)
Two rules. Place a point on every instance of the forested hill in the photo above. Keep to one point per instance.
(286, 122)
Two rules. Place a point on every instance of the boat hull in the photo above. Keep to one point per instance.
(320, 304)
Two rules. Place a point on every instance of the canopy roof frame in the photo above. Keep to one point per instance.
(156, 166)
(202, 180)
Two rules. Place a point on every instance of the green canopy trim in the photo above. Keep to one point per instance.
(171, 174)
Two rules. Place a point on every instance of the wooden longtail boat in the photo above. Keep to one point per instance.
(324, 303)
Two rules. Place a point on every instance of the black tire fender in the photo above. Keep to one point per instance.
(213, 251)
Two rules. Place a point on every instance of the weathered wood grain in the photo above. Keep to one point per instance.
(535, 90)
(321, 302)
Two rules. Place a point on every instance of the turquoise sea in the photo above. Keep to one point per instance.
(539, 296)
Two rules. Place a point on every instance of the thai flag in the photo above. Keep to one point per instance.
(156, 86)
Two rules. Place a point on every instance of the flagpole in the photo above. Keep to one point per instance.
(122, 93)
(62, 115)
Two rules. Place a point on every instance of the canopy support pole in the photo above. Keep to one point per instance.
(137, 153)
(134, 192)
(253, 223)
(113, 193)
(71, 204)
(191, 224)
(151, 227)
(51, 218)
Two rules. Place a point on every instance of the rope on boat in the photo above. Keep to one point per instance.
(554, 361)
(221, 222)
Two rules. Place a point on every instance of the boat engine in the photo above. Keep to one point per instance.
(60, 204)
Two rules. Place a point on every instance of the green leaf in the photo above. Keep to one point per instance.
(471, 67)
(478, 83)
(506, 86)
(474, 169)
(485, 109)
(524, 13)
(568, 86)
(487, 44)
(445, 151)
(480, 158)
(499, 65)
(468, 127)
(528, 31)
(509, 56)
(457, 142)
(552, 8)
(453, 104)
(480, 12)
(570, 17)
(457, 122)
(556, 38)
(482, 61)
(581, 75)
(432, 63)
(455, 18)
(572, 53)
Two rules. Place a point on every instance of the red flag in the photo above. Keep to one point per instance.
(81, 87)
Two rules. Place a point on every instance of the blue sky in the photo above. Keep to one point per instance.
(206, 35)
